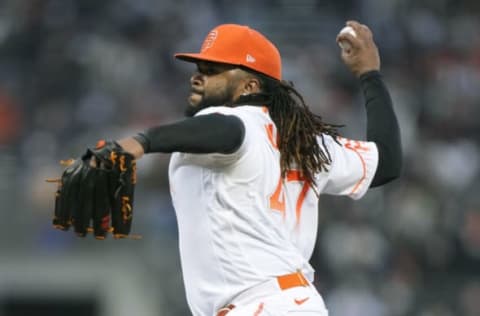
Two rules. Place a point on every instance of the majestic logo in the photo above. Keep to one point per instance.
(250, 59)
(209, 40)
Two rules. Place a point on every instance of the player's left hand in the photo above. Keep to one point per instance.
(95, 192)
(361, 55)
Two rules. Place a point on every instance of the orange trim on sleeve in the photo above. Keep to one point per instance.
(356, 146)
(364, 176)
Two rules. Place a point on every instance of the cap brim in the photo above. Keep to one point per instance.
(192, 58)
(196, 57)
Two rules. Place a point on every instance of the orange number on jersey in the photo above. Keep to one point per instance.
(277, 199)
(295, 175)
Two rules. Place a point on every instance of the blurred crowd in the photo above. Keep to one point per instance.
(74, 71)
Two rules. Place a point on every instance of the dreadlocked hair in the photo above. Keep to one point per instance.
(297, 129)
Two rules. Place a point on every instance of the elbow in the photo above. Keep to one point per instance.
(397, 161)
(384, 179)
(393, 174)
(396, 167)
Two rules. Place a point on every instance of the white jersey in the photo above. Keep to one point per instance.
(239, 223)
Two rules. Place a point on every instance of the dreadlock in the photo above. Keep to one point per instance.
(297, 128)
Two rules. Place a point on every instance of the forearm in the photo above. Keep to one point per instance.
(382, 127)
(212, 133)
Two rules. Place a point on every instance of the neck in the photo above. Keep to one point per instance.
(253, 99)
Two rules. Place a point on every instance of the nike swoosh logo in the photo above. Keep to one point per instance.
(301, 301)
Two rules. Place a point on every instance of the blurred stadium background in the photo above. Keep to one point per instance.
(74, 71)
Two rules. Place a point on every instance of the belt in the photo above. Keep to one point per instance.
(285, 282)
(291, 280)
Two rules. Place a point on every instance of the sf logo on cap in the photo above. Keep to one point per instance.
(209, 40)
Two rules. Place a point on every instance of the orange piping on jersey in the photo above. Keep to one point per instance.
(269, 130)
(356, 146)
(353, 144)
(364, 176)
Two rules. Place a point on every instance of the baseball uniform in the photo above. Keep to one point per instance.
(241, 226)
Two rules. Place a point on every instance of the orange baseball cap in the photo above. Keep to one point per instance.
(239, 45)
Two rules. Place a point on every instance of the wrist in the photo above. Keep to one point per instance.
(360, 73)
(369, 74)
(132, 146)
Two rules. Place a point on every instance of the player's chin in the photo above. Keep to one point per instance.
(195, 99)
(194, 104)
(192, 108)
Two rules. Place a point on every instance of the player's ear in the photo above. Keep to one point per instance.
(252, 85)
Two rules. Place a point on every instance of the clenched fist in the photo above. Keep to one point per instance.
(361, 55)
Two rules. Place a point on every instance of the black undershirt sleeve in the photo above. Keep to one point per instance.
(382, 128)
(210, 133)
(218, 133)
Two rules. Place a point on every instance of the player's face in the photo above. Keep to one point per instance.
(213, 84)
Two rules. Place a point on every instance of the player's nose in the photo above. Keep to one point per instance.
(196, 79)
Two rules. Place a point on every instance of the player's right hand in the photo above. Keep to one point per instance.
(362, 55)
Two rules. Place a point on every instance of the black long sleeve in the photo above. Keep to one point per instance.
(382, 128)
(211, 133)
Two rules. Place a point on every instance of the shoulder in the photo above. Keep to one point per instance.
(334, 144)
(327, 141)
(247, 113)
(232, 110)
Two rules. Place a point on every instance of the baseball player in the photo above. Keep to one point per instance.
(248, 165)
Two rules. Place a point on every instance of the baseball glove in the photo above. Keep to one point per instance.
(95, 192)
